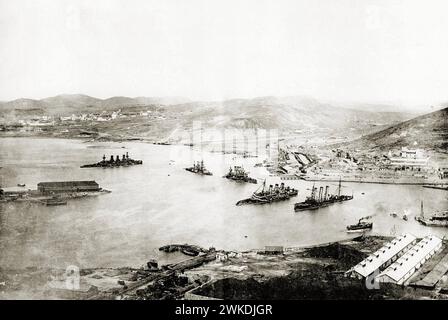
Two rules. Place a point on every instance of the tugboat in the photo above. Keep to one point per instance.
(269, 195)
(438, 219)
(124, 162)
(239, 174)
(199, 168)
(360, 226)
(314, 202)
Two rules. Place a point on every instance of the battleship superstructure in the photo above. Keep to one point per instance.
(324, 199)
(199, 168)
(437, 219)
(239, 174)
(269, 195)
(125, 161)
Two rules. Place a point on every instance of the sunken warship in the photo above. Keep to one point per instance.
(125, 161)
(269, 195)
(324, 199)
(199, 168)
(437, 219)
(239, 174)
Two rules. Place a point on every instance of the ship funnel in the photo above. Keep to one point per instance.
(326, 192)
(321, 189)
(127, 155)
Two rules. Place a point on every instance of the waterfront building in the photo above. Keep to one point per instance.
(273, 250)
(67, 186)
(402, 269)
(382, 258)
(410, 159)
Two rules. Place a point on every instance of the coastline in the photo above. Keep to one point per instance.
(372, 181)
(254, 274)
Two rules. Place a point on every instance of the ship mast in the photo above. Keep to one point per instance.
(421, 210)
(339, 188)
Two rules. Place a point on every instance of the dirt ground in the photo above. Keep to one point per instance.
(305, 273)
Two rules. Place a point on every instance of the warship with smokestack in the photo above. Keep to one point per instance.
(125, 161)
(239, 174)
(199, 168)
(269, 195)
(323, 199)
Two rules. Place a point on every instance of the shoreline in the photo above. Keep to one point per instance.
(415, 183)
(282, 177)
(200, 277)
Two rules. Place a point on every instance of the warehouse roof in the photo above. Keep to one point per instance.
(67, 183)
(385, 253)
(411, 258)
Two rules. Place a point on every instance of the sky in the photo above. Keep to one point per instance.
(381, 51)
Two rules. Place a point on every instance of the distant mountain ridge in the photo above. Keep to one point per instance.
(291, 114)
(73, 102)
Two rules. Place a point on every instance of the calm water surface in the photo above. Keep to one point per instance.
(160, 203)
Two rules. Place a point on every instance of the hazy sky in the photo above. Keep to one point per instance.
(358, 50)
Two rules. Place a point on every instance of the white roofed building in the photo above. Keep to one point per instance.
(382, 258)
(402, 269)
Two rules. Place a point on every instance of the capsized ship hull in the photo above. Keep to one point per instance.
(437, 219)
(248, 180)
(273, 194)
(238, 174)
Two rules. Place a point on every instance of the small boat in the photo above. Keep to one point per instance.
(54, 202)
(21, 185)
(361, 226)
(405, 215)
(189, 252)
(394, 214)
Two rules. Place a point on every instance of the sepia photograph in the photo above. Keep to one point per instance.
(210, 150)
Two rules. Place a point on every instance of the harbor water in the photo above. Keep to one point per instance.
(159, 203)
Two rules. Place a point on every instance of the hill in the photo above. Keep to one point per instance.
(290, 115)
(429, 131)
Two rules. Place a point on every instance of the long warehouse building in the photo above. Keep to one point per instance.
(67, 186)
(382, 258)
(402, 269)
